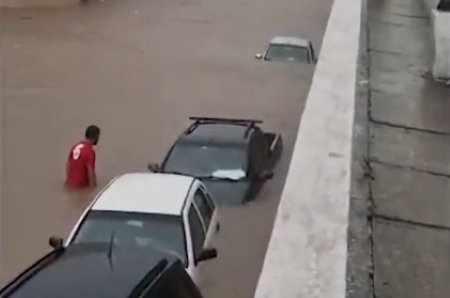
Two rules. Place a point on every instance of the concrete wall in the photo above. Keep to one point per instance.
(307, 253)
(430, 5)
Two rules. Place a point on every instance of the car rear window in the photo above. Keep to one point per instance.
(164, 232)
(279, 52)
(203, 161)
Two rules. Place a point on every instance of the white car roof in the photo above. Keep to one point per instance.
(145, 192)
(286, 40)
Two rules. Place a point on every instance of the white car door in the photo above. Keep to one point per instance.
(208, 213)
(197, 235)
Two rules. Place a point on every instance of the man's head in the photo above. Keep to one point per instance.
(92, 134)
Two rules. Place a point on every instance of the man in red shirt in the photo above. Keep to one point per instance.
(80, 166)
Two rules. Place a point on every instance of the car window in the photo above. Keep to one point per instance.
(281, 52)
(206, 210)
(165, 232)
(210, 201)
(204, 161)
(175, 284)
(197, 232)
(183, 287)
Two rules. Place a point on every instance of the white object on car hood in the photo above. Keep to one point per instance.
(235, 174)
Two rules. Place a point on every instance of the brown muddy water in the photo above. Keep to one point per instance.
(138, 69)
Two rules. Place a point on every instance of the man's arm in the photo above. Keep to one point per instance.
(92, 176)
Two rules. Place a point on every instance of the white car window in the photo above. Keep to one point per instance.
(206, 210)
(198, 234)
(210, 201)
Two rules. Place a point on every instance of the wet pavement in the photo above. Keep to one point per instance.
(138, 69)
(399, 247)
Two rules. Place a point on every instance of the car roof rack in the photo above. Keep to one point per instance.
(250, 123)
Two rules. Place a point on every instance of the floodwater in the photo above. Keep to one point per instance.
(138, 69)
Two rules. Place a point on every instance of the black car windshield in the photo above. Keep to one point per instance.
(280, 52)
(228, 162)
(164, 232)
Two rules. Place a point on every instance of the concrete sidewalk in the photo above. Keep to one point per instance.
(399, 246)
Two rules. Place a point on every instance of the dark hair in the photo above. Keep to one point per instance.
(92, 132)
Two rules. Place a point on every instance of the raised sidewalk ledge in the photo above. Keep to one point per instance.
(430, 5)
(36, 3)
(307, 252)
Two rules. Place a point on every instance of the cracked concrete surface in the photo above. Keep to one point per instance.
(410, 261)
(422, 202)
(399, 234)
(419, 150)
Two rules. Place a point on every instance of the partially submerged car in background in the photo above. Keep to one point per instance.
(289, 49)
(232, 157)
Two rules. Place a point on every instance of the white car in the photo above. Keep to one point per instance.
(284, 48)
(171, 212)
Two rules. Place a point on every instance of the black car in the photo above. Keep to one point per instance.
(99, 270)
(232, 157)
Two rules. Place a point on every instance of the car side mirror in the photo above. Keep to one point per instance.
(259, 56)
(206, 254)
(153, 167)
(56, 242)
(266, 175)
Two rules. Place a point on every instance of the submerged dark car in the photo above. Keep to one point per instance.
(102, 270)
(232, 157)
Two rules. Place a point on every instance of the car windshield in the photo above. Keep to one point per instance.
(164, 232)
(226, 162)
(280, 52)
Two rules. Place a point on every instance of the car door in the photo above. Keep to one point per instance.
(261, 151)
(197, 234)
(174, 283)
(208, 213)
(258, 161)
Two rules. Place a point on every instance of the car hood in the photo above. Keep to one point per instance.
(227, 192)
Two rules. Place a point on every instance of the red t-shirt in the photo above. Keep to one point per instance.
(81, 157)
